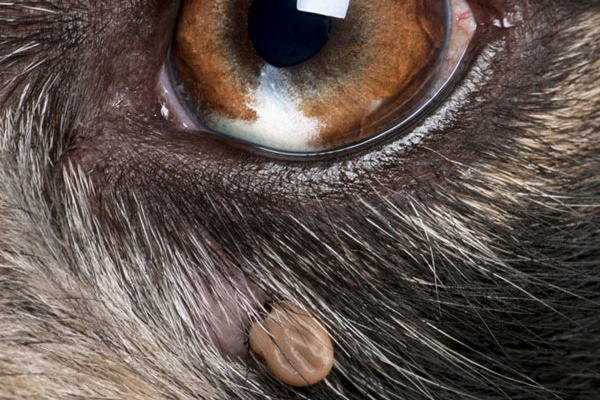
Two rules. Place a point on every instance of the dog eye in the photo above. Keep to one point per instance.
(313, 81)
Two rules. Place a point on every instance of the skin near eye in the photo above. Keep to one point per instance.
(402, 202)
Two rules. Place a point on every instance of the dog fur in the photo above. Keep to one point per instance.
(464, 267)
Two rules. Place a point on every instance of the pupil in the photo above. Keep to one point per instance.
(284, 36)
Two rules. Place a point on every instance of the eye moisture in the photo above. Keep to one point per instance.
(293, 345)
(284, 36)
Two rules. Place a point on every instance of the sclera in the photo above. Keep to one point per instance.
(296, 349)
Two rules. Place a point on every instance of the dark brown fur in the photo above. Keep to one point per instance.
(467, 266)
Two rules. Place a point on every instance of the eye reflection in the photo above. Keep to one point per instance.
(380, 66)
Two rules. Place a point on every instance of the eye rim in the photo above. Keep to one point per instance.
(224, 163)
(417, 114)
(297, 181)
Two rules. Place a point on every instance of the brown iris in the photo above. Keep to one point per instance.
(374, 69)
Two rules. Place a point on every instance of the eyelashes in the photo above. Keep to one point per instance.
(364, 84)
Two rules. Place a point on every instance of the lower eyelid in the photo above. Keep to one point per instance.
(445, 114)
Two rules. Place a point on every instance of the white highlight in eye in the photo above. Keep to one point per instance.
(169, 101)
(330, 8)
(164, 111)
(280, 122)
(505, 23)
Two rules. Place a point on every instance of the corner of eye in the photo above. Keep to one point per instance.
(170, 107)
